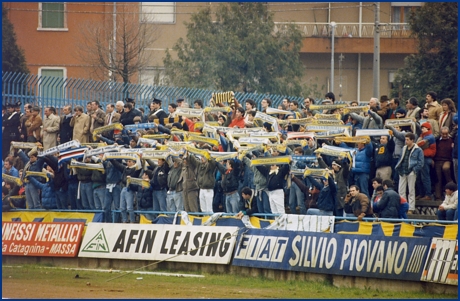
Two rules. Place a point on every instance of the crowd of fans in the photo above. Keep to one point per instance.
(346, 160)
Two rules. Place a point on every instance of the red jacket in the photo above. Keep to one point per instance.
(237, 122)
(428, 144)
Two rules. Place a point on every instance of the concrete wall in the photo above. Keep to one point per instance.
(336, 280)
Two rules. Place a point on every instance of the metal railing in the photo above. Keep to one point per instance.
(348, 30)
(57, 92)
(260, 215)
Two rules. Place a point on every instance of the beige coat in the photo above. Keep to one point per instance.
(81, 127)
(50, 131)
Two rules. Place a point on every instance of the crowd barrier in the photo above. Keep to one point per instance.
(398, 251)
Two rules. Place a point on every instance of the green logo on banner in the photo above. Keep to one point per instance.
(98, 244)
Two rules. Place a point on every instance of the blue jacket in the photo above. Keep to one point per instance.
(416, 159)
(113, 175)
(327, 196)
(363, 159)
(36, 166)
(13, 172)
(48, 192)
(145, 196)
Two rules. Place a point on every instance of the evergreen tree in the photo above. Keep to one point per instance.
(13, 58)
(435, 66)
(236, 49)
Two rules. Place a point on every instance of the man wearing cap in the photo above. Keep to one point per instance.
(434, 123)
(180, 102)
(17, 108)
(327, 197)
(400, 113)
(341, 171)
(11, 123)
(50, 129)
(427, 143)
(158, 112)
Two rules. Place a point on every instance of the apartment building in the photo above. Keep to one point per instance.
(51, 35)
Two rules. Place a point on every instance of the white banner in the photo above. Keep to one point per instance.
(441, 265)
(159, 242)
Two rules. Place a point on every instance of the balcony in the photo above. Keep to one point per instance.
(348, 30)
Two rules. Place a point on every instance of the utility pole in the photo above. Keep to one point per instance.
(341, 58)
(113, 43)
(376, 64)
(331, 88)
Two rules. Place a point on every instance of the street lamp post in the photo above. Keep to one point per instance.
(333, 24)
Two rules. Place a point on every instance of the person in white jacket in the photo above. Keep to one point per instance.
(446, 210)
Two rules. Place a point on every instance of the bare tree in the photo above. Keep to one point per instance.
(116, 48)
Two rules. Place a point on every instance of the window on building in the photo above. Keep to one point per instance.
(51, 85)
(391, 79)
(400, 11)
(158, 12)
(52, 15)
(152, 76)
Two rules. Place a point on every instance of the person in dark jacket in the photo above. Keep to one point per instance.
(32, 163)
(383, 157)
(230, 181)
(86, 187)
(9, 200)
(326, 198)
(362, 167)
(11, 124)
(388, 205)
(127, 193)
(275, 181)
(341, 169)
(128, 115)
(144, 195)
(65, 129)
(112, 192)
(250, 203)
(98, 180)
(61, 185)
(48, 193)
(174, 197)
(160, 184)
